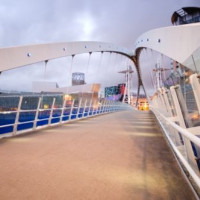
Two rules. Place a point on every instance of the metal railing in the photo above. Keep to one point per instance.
(181, 125)
(22, 114)
(178, 139)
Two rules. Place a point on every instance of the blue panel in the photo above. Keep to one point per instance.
(7, 118)
(80, 115)
(26, 116)
(57, 113)
(42, 123)
(67, 112)
(65, 118)
(87, 109)
(44, 114)
(75, 110)
(56, 120)
(81, 110)
(25, 126)
(73, 117)
(6, 129)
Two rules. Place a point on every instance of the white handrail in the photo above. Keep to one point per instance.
(185, 163)
(183, 131)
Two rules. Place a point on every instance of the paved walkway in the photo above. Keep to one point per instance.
(120, 156)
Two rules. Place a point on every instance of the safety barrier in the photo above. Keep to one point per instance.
(179, 140)
(20, 114)
(178, 113)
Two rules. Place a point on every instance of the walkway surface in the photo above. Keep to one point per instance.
(119, 156)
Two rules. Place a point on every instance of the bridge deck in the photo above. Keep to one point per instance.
(116, 156)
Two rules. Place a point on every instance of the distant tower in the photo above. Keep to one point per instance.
(128, 79)
(78, 78)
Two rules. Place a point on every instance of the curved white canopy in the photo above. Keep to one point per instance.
(14, 57)
(176, 42)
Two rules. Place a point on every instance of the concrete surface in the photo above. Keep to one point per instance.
(120, 156)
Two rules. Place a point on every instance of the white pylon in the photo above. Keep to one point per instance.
(128, 79)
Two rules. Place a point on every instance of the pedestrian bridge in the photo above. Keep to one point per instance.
(122, 155)
(93, 147)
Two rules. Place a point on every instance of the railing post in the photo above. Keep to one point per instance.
(163, 100)
(17, 115)
(110, 106)
(62, 111)
(167, 101)
(84, 108)
(90, 108)
(113, 107)
(101, 110)
(51, 113)
(93, 108)
(72, 107)
(109, 102)
(194, 81)
(107, 106)
(37, 113)
(104, 105)
(180, 117)
(79, 106)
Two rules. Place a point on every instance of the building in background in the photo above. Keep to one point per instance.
(186, 15)
(110, 91)
(78, 78)
(43, 86)
(115, 92)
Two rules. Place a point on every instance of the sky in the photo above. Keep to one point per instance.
(26, 22)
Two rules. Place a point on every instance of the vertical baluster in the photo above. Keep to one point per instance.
(51, 113)
(79, 106)
(90, 108)
(37, 113)
(94, 105)
(62, 111)
(194, 81)
(84, 108)
(109, 106)
(17, 115)
(104, 105)
(72, 107)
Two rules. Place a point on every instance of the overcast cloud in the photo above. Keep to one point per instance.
(43, 21)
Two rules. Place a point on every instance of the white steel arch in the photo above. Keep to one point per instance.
(14, 57)
(176, 42)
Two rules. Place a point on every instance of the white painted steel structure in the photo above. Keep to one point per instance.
(176, 106)
(176, 42)
(14, 57)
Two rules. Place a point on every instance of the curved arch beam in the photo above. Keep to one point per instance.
(176, 42)
(14, 57)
